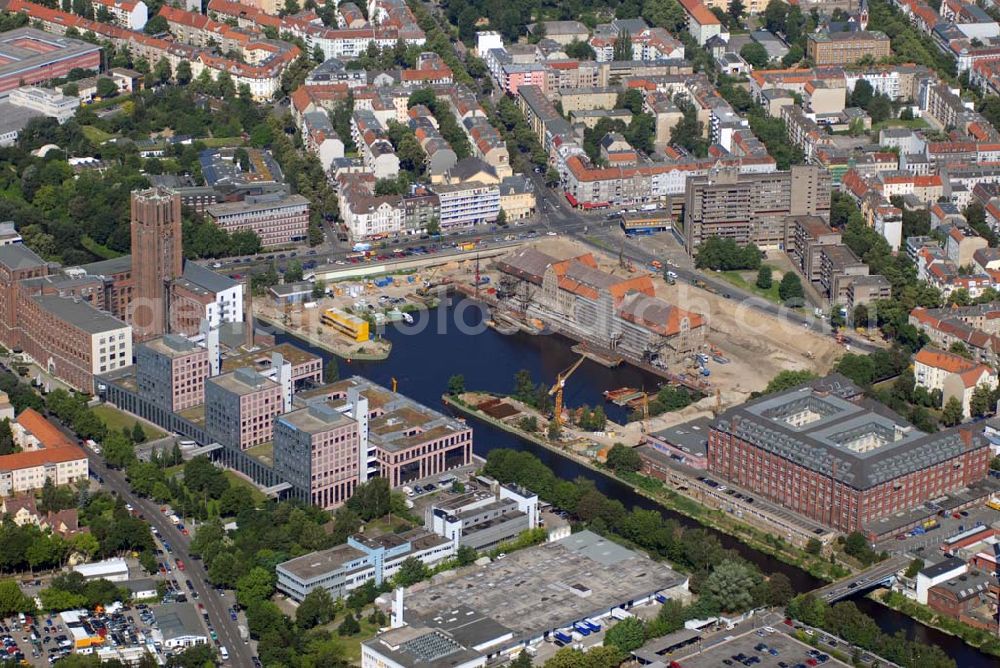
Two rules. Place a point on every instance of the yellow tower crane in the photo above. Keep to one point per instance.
(395, 383)
(557, 389)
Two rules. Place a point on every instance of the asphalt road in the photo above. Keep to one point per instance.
(217, 608)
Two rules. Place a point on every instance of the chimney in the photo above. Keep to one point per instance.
(211, 336)
(247, 314)
(397, 609)
(283, 375)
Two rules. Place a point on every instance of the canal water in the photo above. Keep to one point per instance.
(454, 339)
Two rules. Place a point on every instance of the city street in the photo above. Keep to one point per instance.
(215, 603)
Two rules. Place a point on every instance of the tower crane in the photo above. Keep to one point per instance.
(557, 389)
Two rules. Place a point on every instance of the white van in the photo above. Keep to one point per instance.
(224, 652)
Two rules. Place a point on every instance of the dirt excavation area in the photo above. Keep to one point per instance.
(757, 345)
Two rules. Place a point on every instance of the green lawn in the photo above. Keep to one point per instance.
(263, 452)
(114, 420)
(95, 135)
(221, 142)
(256, 495)
(736, 278)
(915, 124)
(352, 644)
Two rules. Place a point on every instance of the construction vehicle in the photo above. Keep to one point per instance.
(557, 389)
(656, 264)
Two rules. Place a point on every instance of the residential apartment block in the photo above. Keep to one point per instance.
(753, 208)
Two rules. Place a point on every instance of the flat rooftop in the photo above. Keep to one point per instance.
(79, 314)
(549, 586)
(402, 423)
(172, 345)
(243, 381)
(261, 359)
(315, 564)
(689, 436)
(315, 419)
(25, 49)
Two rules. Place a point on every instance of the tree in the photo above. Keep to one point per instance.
(554, 431)
(736, 10)
(106, 87)
(959, 348)
(456, 384)
(13, 600)
(623, 46)
(162, 72)
(119, 451)
(764, 277)
(317, 608)
(982, 402)
(952, 413)
(156, 25)
(754, 52)
(523, 660)
(862, 94)
(331, 371)
(631, 99)
(466, 555)
(794, 55)
(623, 459)
(779, 590)
(410, 572)
(349, 626)
(196, 656)
(580, 50)
(856, 545)
(731, 583)
(256, 585)
(138, 435)
(915, 567)
(183, 73)
(626, 635)
(790, 287)
(814, 546)
(880, 108)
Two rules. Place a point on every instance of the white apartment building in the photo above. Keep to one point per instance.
(28, 471)
(127, 14)
(466, 204)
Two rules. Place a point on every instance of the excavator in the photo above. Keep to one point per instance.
(557, 389)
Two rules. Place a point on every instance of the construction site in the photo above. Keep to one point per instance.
(721, 350)
(717, 347)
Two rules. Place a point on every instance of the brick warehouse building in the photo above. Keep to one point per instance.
(826, 452)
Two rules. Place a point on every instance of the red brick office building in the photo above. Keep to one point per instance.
(823, 451)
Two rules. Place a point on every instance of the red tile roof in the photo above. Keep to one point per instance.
(47, 433)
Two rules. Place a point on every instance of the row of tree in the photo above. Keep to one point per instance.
(844, 620)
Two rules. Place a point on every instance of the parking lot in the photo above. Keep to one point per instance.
(928, 543)
(761, 649)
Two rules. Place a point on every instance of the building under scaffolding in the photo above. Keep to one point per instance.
(621, 314)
